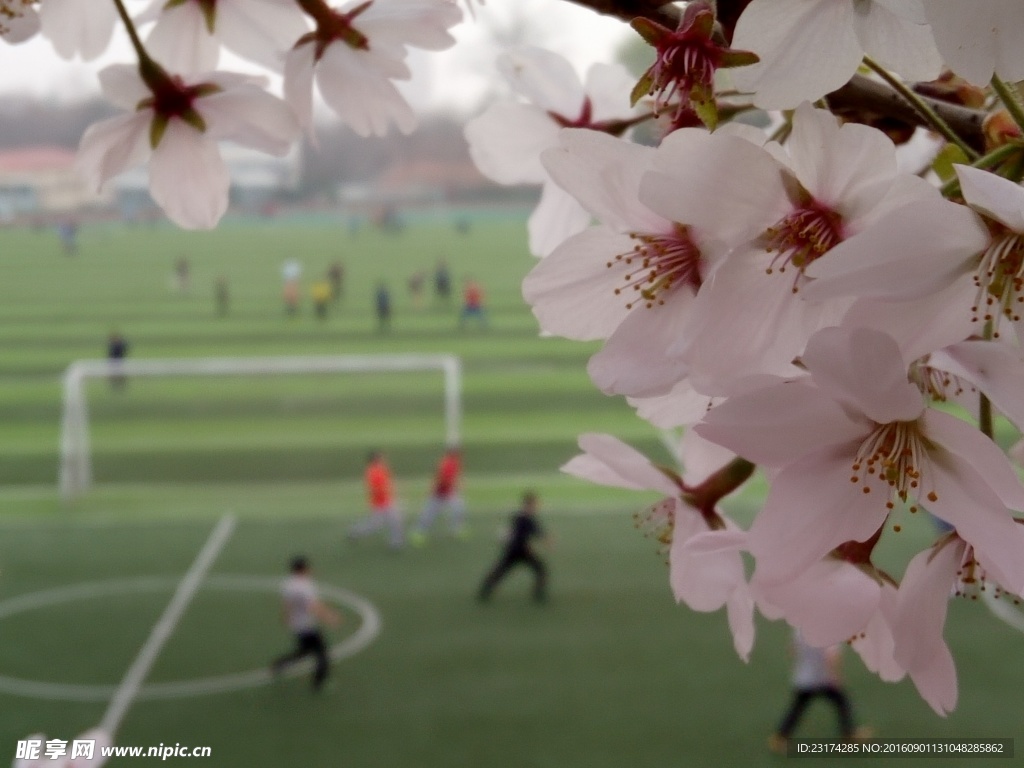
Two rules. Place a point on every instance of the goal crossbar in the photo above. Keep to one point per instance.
(76, 457)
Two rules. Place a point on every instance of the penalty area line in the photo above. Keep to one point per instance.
(133, 679)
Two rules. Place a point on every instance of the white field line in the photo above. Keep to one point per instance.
(369, 629)
(136, 674)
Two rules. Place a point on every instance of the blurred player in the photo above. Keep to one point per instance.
(444, 495)
(383, 509)
(472, 304)
(815, 674)
(302, 611)
(523, 530)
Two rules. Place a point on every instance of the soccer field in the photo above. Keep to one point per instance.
(610, 673)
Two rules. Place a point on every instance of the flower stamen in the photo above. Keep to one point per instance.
(657, 265)
(895, 453)
(1000, 281)
(802, 237)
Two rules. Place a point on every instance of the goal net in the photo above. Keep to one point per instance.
(76, 461)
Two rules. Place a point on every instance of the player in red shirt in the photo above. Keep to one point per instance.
(445, 494)
(472, 304)
(384, 512)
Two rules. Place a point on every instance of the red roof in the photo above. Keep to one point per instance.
(36, 159)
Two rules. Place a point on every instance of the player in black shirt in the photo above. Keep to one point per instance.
(524, 528)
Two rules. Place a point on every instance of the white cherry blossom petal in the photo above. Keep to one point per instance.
(507, 140)
(864, 367)
(623, 365)
(188, 178)
(571, 291)
(780, 424)
(784, 33)
(111, 146)
(545, 79)
(250, 116)
(811, 509)
(915, 250)
(995, 369)
(181, 41)
(609, 461)
(829, 603)
(78, 27)
(556, 218)
(904, 45)
(603, 173)
(726, 188)
(993, 195)
(921, 609)
(979, 39)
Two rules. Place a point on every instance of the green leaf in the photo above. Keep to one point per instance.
(944, 160)
(650, 31)
(194, 119)
(641, 89)
(704, 104)
(731, 58)
(157, 128)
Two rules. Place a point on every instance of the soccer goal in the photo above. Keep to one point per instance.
(75, 475)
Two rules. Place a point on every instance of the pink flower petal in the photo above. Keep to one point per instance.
(864, 368)
(556, 218)
(112, 146)
(188, 178)
(780, 424)
(603, 173)
(612, 462)
(626, 364)
(996, 197)
(782, 33)
(829, 603)
(545, 79)
(811, 509)
(506, 142)
(572, 291)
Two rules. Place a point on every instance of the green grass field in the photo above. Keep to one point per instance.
(610, 673)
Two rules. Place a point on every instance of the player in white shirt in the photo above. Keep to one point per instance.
(302, 611)
(815, 674)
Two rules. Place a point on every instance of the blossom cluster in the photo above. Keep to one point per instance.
(792, 297)
(797, 300)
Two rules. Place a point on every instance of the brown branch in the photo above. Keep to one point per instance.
(864, 95)
(627, 10)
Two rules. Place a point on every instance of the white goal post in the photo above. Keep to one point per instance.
(75, 455)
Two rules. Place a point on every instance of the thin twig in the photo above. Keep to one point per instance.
(929, 115)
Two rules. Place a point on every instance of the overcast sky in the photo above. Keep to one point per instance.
(455, 79)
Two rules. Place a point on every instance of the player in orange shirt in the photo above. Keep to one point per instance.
(444, 494)
(384, 512)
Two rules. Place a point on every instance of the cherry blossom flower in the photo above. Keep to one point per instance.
(19, 20)
(631, 280)
(188, 35)
(683, 74)
(706, 568)
(78, 27)
(175, 125)
(844, 178)
(357, 52)
(507, 140)
(926, 248)
(849, 442)
(830, 602)
(809, 48)
(952, 565)
(875, 643)
(977, 40)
